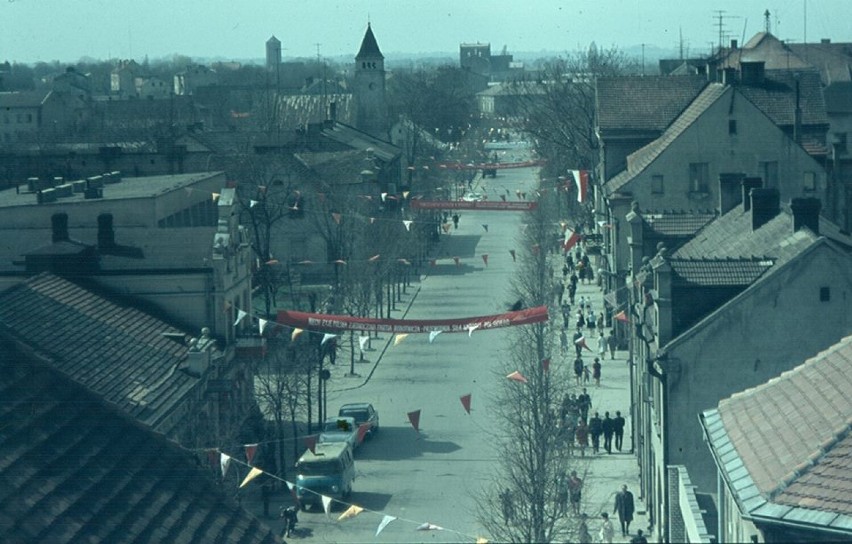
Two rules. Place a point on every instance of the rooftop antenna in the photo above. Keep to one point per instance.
(805, 6)
(680, 32)
(720, 24)
(767, 23)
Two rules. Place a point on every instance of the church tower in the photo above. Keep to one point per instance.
(273, 53)
(371, 111)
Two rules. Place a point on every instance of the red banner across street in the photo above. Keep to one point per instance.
(489, 165)
(342, 323)
(510, 206)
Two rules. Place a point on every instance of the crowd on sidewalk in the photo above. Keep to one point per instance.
(583, 428)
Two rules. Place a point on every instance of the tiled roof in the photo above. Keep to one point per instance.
(354, 138)
(642, 158)
(644, 102)
(298, 110)
(119, 353)
(838, 97)
(683, 223)
(22, 99)
(74, 470)
(833, 60)
(707, 272)
(776, 97)
(785, 445)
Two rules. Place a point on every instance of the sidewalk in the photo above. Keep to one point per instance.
(606, 473)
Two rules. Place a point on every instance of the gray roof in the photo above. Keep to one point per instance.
(733, 272)
(117, 352)
(23, 99)
(644, 102)
(74, 470)
(681, 223)
(776, 97)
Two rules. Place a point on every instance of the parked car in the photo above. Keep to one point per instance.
(364, 414)
(340, 429)
(473, 197)
(329, 470)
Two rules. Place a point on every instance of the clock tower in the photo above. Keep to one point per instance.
(371, 111)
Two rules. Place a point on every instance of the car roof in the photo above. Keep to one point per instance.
(338, 418)
(356, 406)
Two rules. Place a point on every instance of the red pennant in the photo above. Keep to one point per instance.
(485, 258)
(517, 376)
(512, 251)
(362, 431)
(456, 259)
(621, 316)
(582, 343)
(251, 449)
(570, 241)
(465, 400)
(311, 443)
(214, 458)
(336, 217)
(414, 418)
(503, 198)
(545, 364)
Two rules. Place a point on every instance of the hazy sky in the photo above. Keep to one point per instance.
(65, 30)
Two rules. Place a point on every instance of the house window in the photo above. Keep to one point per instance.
(769, 173)
(809, 182)
(732, 126)
(657, 184)
(699, 177)
(29, 118)
(824, 294)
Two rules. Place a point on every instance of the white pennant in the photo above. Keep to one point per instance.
(240, 315)
(407, 224)
(385, 521)
(261, 324)
(253, 203)
(326, 504)
(290, 485)
(362, 341)
(224, 462)
(433, 334)
(326, 337)
(384, 196)
(471, 328)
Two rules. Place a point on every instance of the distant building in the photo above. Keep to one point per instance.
(192, 77)
(273, 53)
(477, 58)
(371, 109)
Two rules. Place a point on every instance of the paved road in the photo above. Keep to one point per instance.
(433, 476)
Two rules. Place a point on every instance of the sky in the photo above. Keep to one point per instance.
(67, 30)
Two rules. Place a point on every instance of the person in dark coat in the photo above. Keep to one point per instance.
(608, 429)
(584, 403)
(624, 509)
(578, 369)
(618, 426)
(595, 429)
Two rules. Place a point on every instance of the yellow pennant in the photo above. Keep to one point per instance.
(399, 338)
(253, 473)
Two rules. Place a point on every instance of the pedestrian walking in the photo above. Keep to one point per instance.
(583, 536)
(612, 343)
(624, 509)
(572, 291)
(596, 372)
(587, 375)
(578, 335)
(600, 322)
(608, 430)
(607, 532)
(562, 493)
(456, 220)
(559, 291)
(566, 315)
(602, 345)
(618, 425)
(582, 434)
(578, 369)
(569, 431)
(595, 430)
(581, 320)
(584, 404)
(639, 538)
(590, 320)
(575, 491)
(563, 341)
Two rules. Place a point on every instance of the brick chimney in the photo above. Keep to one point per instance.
(59, 227)
(806, 213)
(748, 185)
(765, 205)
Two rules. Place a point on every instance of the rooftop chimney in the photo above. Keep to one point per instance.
(106, 234)
(806, 213)
(825, 40)
(765, 205)
(748, 185)
(733, 44)
(59, 226)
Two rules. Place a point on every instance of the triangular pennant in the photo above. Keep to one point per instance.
(485, 226)
(326, 337)
(485, 258)
(261, 324)
(564, 225)
(336, 216)
(339, 261)
(271, 262)
(433, 262)
(407, 224)
(311, 442)
(512, 252)
(253, 203)
(429, 527)
(251, 449)
(471, 328)
(405, 194)
(571, 239)
(261, 188)
(372, 220)
(295, 334)
(517, 376)
(384, 197)
(414, 418)
(399, 338)
(362, 342)
(374, 258)
(447, 227)
(545, 364)
(610, 298)
(622, 316)
(582, 343)
(456, 259)
(253, 473)
(290, 485)
(350, 512)
(384, 523)
(503, 198)
(188, 190)
(228, 305)
(406, 262)
(215, 196)
(433, 334)
(224, 463)
(240, 315)
(326, 504)
(465, 400)
(481, 540)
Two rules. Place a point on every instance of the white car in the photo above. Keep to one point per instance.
(473, 197)
(340, 429)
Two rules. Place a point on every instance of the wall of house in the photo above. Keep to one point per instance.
(757, 339)
(708, 140)
(18, 123)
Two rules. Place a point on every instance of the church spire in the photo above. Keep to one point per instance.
(369, 47)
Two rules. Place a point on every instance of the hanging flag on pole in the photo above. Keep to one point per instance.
(581, 180)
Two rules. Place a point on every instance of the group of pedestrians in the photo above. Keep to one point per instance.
(624, 509)
(578, 428)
